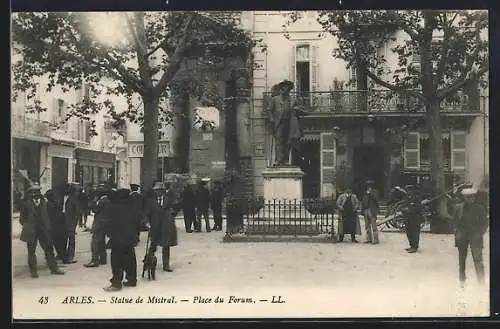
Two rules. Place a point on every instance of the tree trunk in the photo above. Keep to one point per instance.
(150, 161)
(182, 132)
(362, 84)
(437, 173)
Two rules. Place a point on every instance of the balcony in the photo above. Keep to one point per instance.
(29, 128)
(372, 101)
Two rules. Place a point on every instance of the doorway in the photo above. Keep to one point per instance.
(303, 81)
(59, 172)
(368, 164)
(307, 157)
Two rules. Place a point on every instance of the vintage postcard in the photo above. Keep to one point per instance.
(250, 164)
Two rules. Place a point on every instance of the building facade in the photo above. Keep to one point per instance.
(349, 134)
(53, 151)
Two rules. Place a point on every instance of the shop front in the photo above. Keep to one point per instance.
(61, 165)
(94, 167)
(136, 162)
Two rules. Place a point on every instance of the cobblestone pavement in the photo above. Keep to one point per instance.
(315, 280)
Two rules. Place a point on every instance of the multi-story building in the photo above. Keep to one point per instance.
(53, 151)
(348, 132)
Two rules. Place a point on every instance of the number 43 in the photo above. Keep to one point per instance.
(43, 300)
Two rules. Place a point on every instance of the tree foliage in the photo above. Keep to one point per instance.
(452, 46)
(438, 53)
(154, 56)
(65, 48)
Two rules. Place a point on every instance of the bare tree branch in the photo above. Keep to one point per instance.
(444, 50)
(471, 75)
(468, 73)
(391, 86)
(176, 59)
(139, 34)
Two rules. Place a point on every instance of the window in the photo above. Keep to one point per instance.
(412, 151)
(302, 53)
(304, 69)
(82, 132)
(425, 151)
(418, 154)
(60, 108)
(86, 91)
(458, 150)
(415, 57)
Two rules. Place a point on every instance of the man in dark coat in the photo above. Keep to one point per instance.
(138, 201)
(471, 223)
(36, 228)
(412, 212)
(370, 211)
(189, 208)
(122, 230)
(56, 217)
(84, 207)
(202, 197)
(102, 215)
(216, 198)
(163, 231)
(71, 214)
(348, 205)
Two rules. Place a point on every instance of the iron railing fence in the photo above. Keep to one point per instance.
(373, 101)
(308, 217)
(26, 126)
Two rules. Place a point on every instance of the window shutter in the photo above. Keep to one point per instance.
(87, 132)
(314, 68)
(55, 110)
(79, 94)
(412, 151)
(328, 162)
(458, 150)
(353, 84)
(292, 73)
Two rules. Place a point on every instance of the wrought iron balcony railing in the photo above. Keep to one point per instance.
(347, 101)
(24, 126)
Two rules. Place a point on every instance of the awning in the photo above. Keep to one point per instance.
(310, 137)
(90, 158)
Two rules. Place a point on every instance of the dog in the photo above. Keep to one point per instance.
(149, 266)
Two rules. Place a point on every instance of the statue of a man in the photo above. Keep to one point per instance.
(284, 122)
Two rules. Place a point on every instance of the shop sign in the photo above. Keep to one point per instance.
(136, 150)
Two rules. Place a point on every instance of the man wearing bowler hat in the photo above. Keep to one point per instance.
(36, 228)
(102, 215)
(471, 223)
(370, 212)
(138, 202)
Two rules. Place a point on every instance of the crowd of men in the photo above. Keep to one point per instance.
(119, 216)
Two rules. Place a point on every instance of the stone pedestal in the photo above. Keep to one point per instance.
(283, 183)
(282, 193)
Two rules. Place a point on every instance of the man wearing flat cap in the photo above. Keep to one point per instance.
(36, 228)
(284, 120)
(471, 223)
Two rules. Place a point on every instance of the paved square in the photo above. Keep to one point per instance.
(314, 280)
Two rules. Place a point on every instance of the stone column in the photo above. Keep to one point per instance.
(241, 78)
